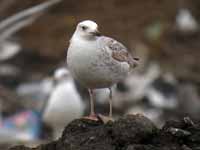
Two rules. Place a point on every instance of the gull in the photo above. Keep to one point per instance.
(64, 103)
(97, 61)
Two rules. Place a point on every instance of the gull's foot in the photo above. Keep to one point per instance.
(105, 119)
(92, 117)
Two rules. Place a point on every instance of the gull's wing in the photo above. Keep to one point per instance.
(119, 51)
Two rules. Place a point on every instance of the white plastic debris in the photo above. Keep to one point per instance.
(185, 22)
(8, 50)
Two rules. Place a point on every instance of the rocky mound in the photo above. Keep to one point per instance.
(132, 132)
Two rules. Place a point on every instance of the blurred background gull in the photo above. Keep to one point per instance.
(34, 36)
(64, 104)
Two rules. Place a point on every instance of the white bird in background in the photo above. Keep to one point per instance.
(148, 84)
(64, 104)
(185, 22)
(97, 61)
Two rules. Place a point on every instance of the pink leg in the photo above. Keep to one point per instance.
(110, 103)
(92, 115)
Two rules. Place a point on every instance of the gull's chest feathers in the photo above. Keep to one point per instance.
(82, 57)
(82, 51)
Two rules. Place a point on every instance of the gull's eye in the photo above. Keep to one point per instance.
(84, 27)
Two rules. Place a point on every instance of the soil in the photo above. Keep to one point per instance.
(131, 132)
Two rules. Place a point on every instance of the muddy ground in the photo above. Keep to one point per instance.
(132, 132)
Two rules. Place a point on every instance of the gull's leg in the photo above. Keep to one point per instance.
(110, 103)
(92, 113)
(106, 119)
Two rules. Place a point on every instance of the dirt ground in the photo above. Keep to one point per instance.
(132, 132)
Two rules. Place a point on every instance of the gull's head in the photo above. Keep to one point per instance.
(61, 73)
(87, 29)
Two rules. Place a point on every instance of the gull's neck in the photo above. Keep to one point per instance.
(77, 37)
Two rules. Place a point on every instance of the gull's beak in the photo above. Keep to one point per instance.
(96, 33)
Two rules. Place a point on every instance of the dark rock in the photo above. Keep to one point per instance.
(132, 132)
(179, 132)
(20, 148)
(133, 129)
(87, 134)
(145, 147)
(184, 147)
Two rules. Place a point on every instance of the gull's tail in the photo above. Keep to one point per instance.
(133, 61)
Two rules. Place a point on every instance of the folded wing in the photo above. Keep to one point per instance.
(119, 51)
